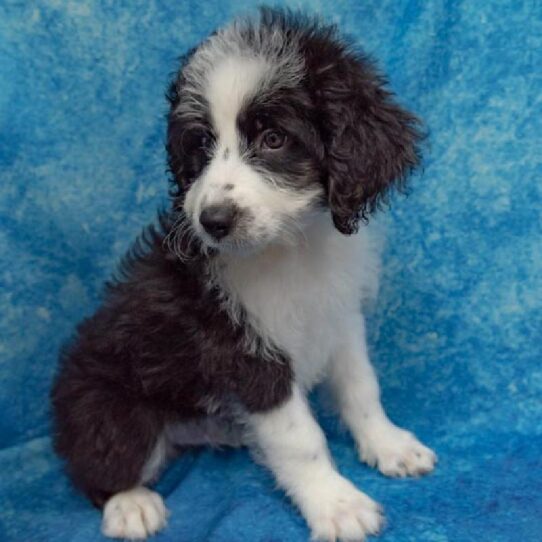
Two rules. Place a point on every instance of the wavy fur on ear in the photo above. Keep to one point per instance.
(371, 142)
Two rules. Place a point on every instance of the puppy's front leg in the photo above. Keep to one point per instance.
(293, 446)
(382, 444)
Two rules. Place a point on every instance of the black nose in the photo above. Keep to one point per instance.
(217, 220)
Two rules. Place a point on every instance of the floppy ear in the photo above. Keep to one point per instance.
(371, 142)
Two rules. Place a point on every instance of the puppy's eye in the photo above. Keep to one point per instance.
(273, 139)
(205, 141)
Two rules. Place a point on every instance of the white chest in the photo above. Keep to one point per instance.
(300, 297)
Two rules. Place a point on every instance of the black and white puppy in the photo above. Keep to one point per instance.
(251, 289)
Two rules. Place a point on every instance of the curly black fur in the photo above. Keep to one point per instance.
(371, 143)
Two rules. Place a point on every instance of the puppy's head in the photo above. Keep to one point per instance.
(274, 120)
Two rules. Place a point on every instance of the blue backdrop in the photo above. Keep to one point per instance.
(457, 333)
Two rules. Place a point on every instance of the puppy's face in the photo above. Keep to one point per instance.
(273, 121)
(255, 158)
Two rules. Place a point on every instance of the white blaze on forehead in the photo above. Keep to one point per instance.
(230, 84)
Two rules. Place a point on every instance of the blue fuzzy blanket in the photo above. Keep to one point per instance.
(456, 335)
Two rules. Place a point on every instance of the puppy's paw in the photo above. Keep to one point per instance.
(339, 511)
(134, 514)
(396, 452)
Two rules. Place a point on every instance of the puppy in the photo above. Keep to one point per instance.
(250, 290)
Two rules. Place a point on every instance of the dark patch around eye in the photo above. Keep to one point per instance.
(196, 145)
(296, 157)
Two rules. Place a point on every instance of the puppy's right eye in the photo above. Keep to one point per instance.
(205, 141)
(196, 147)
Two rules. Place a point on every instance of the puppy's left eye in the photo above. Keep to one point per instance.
(273, 139)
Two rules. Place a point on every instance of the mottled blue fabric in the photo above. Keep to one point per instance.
(456, 334)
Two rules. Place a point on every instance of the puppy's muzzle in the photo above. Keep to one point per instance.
(218, 220)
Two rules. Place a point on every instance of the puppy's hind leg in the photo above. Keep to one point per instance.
(113, 445)
(139, 512)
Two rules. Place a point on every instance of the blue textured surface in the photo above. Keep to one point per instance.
(456, 335)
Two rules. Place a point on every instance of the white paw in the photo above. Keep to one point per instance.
(396, 452)
(134, 514)
(336, 510)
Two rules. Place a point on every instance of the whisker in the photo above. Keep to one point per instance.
(181, 234)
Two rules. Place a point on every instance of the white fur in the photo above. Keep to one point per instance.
(301, 297)
(134, 514)
(229, 85)
(292, 445)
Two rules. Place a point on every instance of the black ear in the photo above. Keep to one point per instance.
(371, 142)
